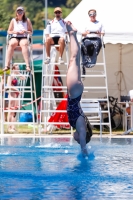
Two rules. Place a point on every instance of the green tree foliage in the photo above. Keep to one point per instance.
(5, 13)
(38, 21)
(35, 10)
(64, 3)
(72, 3)
(55, 3)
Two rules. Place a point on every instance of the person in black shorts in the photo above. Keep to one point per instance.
(19, 28)
(56, 35)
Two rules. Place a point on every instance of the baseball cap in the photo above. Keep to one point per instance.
(20, 8)
(57, 9)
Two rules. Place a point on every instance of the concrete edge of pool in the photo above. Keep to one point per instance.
(61, 136)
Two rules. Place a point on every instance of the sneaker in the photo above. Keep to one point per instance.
(61, 61)
(51, 128)
(47, 61)
(90, 65)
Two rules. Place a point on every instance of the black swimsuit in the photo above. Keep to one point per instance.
(73, 110)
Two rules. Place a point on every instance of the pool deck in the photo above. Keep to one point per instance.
(62, 136)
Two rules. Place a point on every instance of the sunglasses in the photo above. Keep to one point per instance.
(58, 12)
(92, 14)
(20, 12)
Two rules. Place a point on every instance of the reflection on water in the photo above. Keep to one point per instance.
(45, 168)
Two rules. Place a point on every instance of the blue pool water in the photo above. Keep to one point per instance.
(53, 168)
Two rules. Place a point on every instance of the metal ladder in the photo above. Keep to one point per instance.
(31, 89)
(48, 101)
(97, 92)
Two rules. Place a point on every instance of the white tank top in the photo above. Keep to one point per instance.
(20, 26)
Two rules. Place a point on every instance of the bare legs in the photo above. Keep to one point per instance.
(61, 47)
(13, 43)
(49, 42)
(13, 97)
(25, 52)
(11, 115)
(75, 86)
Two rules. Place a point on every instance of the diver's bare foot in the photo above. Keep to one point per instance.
(70, 28)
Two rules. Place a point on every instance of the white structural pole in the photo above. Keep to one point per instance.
(46, 12)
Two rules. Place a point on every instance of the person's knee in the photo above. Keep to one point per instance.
(71, 61)
(87, 48)
(75, 55)
(62, 41)
(13, 44)
(48, 40)
(24, 44)
(73, 58)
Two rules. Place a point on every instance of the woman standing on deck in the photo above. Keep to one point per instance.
(76, 117)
